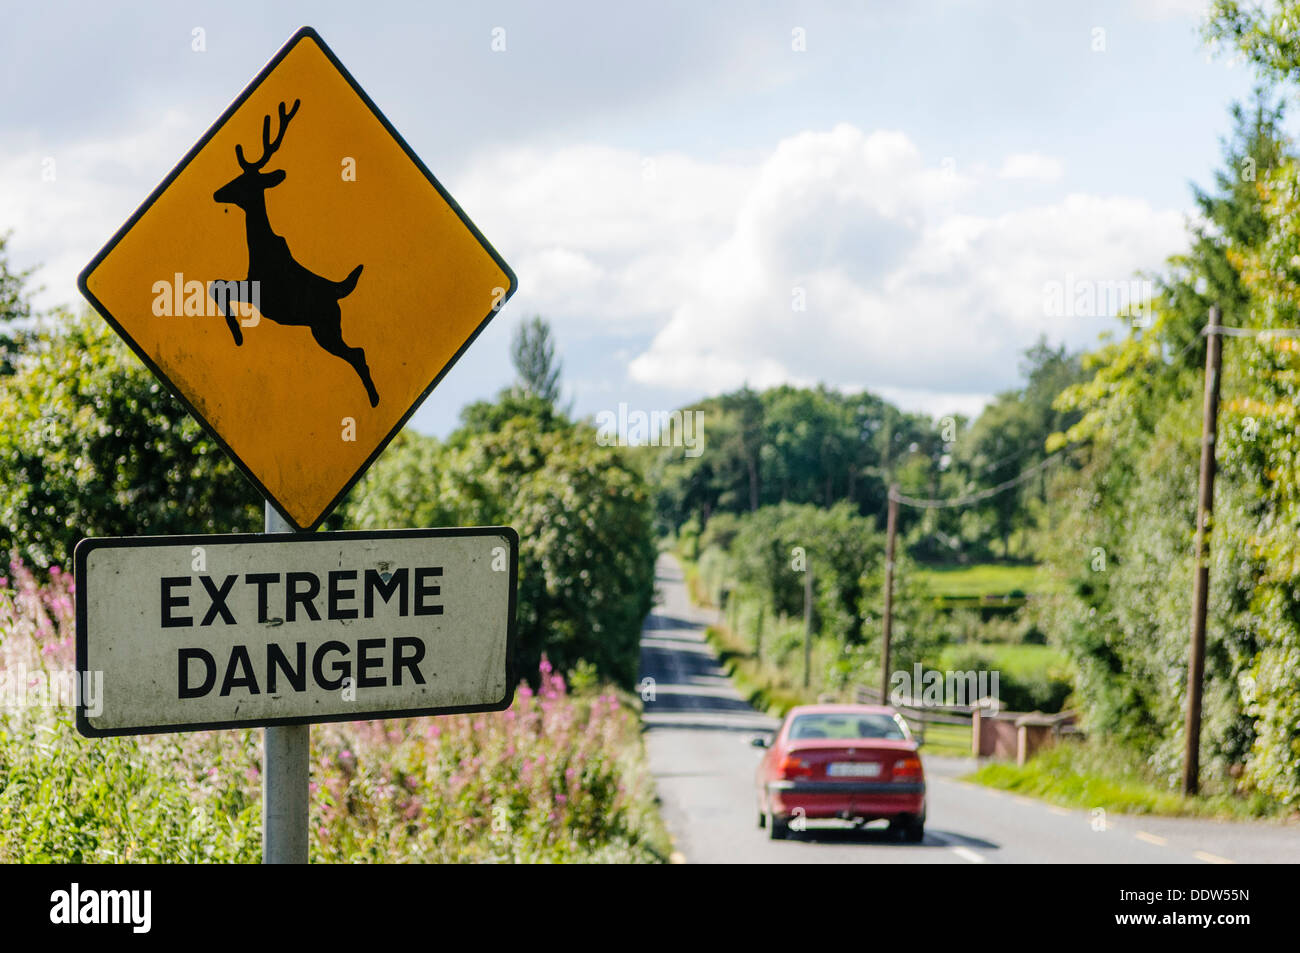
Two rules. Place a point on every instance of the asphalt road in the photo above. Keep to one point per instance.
(698, 732)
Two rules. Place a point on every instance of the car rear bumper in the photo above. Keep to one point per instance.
(867, 800)
(845, 787)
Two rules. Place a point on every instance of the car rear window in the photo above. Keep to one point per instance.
(836, 725)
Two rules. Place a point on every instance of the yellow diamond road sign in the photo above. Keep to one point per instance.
(300, 281)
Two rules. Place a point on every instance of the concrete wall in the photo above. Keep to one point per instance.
(1011, 734)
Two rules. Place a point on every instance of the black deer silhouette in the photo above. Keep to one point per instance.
(287, 293)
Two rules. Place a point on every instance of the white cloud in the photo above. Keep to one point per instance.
(64, 202)
(1172, 9)
(903, 292)
(599, 235)
(932, 403)
(683, 275)
(1032, 165)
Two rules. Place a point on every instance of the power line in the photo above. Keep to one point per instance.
(990, 467)
(982, 494)
(1236, 332)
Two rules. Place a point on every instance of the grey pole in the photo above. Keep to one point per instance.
(286, 752)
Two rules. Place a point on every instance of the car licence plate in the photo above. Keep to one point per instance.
(853, 769)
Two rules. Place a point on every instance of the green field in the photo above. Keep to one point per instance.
(1016, 661)
(984, 579)
(952, 741)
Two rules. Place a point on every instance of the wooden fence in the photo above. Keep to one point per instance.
(918, 716)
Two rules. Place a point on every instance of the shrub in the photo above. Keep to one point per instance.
(582, 511)
(93, 445)
(555, 778)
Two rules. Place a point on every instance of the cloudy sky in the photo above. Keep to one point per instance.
(869, 194)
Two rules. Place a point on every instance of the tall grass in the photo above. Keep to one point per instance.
(1102, 773)
(559, 777)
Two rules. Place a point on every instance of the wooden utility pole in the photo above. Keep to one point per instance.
(887, 628)
(1201, 578)
(807, 624)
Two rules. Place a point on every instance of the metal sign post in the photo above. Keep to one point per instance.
(286, 756)
(281, 630)
(302, 365)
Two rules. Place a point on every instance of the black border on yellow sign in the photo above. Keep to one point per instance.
(302, 34)
(85, 593)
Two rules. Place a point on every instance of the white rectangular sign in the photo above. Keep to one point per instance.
(199, 632)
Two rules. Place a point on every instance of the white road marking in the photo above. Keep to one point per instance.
(1151, 838)
(1060, 811)
(968, 855)
(1209, 858)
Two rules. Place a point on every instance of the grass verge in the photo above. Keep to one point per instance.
(759, 684)
(1089, 775)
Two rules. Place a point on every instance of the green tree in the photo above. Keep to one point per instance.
(774, 546)
(1009, 437)
(808, 435)
(489, 416)
(15, 307)
(1267, 34)
(582, 511)
(1121, 526)
(746, 409)
(533, 396)
(533, 354)
(92, 445)
(796, 445)
(723, 478)
(405, 488)
(1260, 454)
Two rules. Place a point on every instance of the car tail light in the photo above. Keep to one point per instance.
(908, 768)
(792, 767)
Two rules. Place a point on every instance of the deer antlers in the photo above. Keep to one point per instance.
(268, 147)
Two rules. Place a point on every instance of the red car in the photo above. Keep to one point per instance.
(852, 762)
